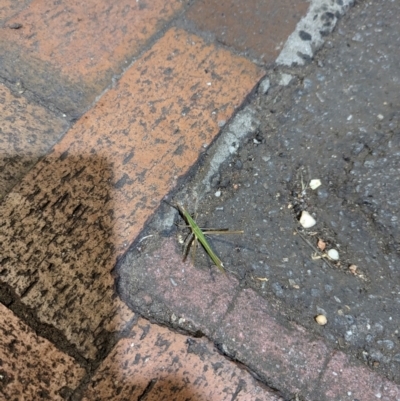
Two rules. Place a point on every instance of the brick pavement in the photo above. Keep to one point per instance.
(104, 108)
(162, 364)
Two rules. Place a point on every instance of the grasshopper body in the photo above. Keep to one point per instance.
(199, 235)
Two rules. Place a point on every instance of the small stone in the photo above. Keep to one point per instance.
(333, 254)
(357, 37)
(306, 220)
(388, 344)
(218, 194)
(264, 86)
(15, 25)
(285, 79)
(321, 320)
(314, 184)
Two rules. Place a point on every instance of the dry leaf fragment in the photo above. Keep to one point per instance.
(353, 269)
(321, 244)
(315, 256)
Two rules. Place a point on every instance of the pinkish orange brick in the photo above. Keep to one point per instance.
(190, 292)
(167, 366)
(31, 368)
(262, 343)
(27, 133)
(80, 208)
(345, 379)
(67, 52)
(256, 28)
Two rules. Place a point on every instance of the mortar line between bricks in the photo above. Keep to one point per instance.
(91, 368)
(321, 374)
(28, 317)
(112, 81)
(145, 48)
(229, 358)
(210, 338)
(37, 100)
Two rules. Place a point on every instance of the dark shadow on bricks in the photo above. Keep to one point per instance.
(58, 249)
(59, 246)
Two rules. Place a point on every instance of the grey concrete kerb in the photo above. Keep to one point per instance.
(310, 32)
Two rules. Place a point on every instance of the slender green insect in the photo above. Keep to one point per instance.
(199, 235)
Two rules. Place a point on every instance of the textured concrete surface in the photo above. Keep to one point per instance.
(311, 31)
(154, 363)
(32, 368)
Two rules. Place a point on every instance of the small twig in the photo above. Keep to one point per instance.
(318, 252)
(143, 238)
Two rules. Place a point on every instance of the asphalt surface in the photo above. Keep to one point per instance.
(335, 119)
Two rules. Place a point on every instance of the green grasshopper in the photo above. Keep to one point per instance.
(198, 234)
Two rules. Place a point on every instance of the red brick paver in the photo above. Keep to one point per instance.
(68, 51)
(27, 132)
(169, 366)
(344, 380)
(9, 8)
(31, 368)
(257, 28)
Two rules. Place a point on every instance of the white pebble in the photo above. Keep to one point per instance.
(285, 79)
(333, 254)
(314, 184)
(218, 194)
(321, 320)
(265, 85)
(306, 220)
